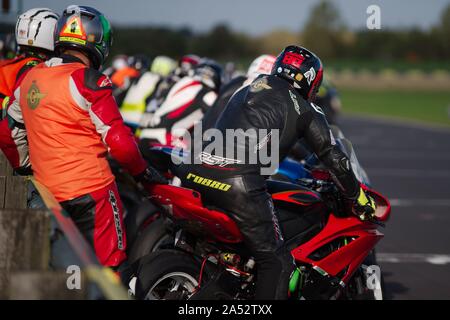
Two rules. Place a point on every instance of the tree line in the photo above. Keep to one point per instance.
(325, 33)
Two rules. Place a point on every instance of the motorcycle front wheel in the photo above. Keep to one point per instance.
(368, 282)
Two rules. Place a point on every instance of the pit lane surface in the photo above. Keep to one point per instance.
(410, 164)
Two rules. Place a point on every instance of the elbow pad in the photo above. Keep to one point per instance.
(123, 149)
(320, 138)
(340, 167)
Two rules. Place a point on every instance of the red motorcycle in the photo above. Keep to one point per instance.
(332, 248)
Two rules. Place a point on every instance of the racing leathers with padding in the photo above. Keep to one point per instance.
(72, 122)
(162, 90)
(122, 80)
(274, 104)
(134, 104)
(10, 72)
(184, 105)
(219, 105)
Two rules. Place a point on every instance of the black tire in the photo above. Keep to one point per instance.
(358, 288)
(158, 270)
(150, 240)
(370, 260)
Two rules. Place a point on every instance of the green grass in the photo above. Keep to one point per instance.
(371, 65)
(429, 107)
(377, 65)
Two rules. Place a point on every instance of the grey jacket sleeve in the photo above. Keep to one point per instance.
(18, 132)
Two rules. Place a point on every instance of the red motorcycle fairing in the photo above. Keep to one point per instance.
(354, 239)
(383, 210)
(338, 248)
(186, 205)
(301, 212)
(293, 193)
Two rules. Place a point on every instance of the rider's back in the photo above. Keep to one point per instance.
(66, 152)
(226, 92)
(10, 71)
(268, 103)
(183, 106)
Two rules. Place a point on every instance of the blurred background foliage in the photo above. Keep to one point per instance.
(401, 72)
(325, 33)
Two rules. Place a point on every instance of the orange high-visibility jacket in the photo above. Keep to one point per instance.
(71, 121)
(120, 77)
(11, 70)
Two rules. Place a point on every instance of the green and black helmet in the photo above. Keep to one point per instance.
(86, 29)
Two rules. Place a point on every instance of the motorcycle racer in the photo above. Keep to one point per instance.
(34, 35)
(184, 105)
(144, 89)
(185, 67)
(261, 65)
(72, 122)
(279, 101)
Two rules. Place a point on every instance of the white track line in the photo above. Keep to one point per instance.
(436, 259)
(420, 202)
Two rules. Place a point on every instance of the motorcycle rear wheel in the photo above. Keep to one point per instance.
(151, 239)
(168, 275)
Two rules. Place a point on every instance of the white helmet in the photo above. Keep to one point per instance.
(120, 62)
(261, 65)
(36, 27)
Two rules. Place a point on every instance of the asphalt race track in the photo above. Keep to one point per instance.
(410, 164)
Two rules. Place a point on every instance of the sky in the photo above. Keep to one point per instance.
(252, 16)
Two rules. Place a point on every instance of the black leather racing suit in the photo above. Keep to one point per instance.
(239, 189)
(219, 105)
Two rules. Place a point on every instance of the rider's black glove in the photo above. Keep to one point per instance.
(151, 176)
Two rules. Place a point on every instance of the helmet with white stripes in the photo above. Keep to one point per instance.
(35, 28)
(261, 65)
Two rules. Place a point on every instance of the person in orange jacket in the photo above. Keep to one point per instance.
(34, 36)
(72, 122)
(122, 76)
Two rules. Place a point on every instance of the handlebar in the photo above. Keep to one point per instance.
(334, 199)
(321, 186)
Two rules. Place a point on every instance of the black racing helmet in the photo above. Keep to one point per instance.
(302, 68)
(84, 28)
(139, 62)
(210, 73)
